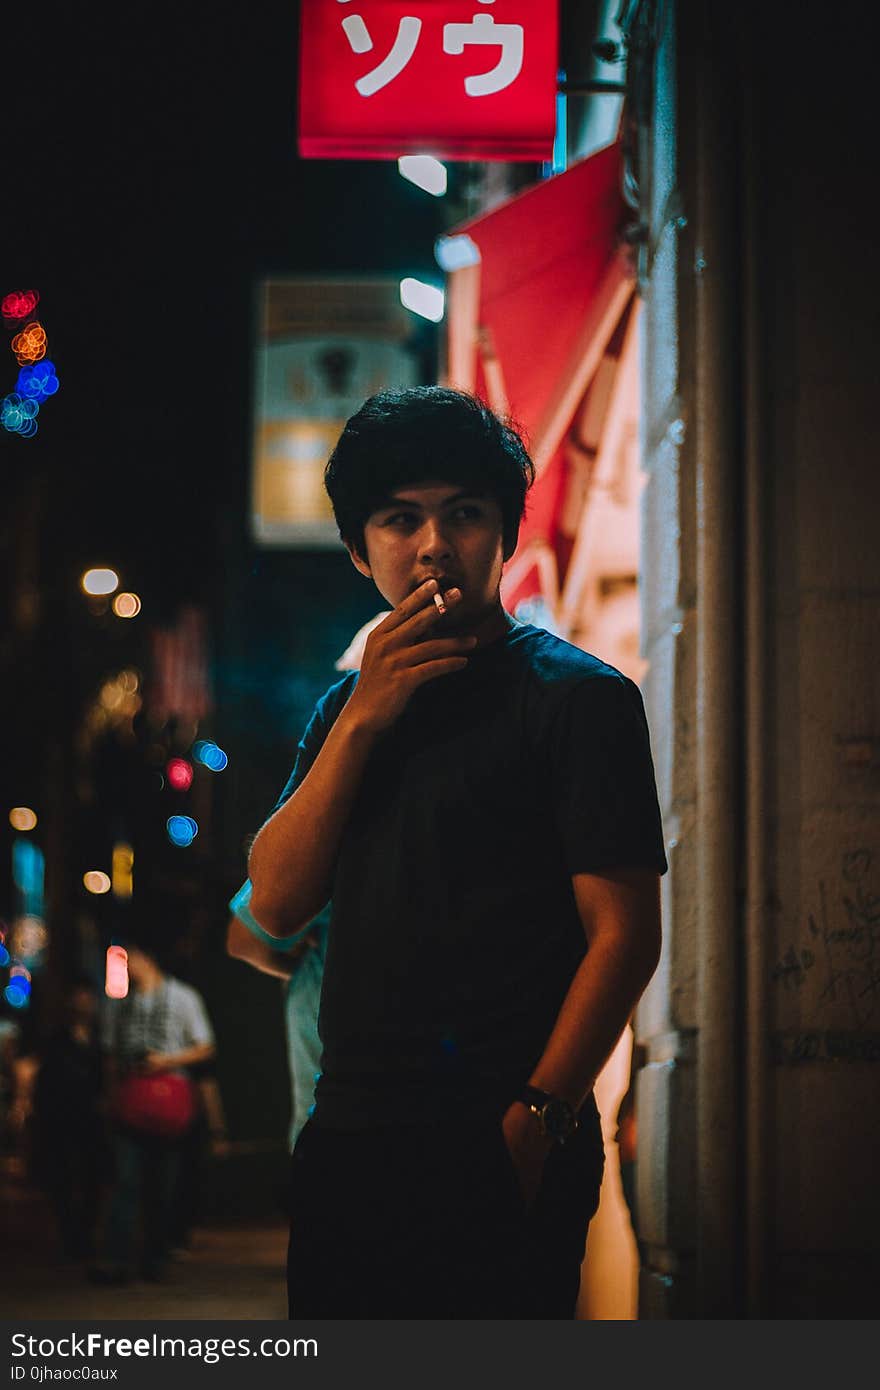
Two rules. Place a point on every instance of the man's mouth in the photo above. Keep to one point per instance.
(444, 582)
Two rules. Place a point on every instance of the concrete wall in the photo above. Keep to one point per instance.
(666, 1022)
(821, 311)
(799, 437)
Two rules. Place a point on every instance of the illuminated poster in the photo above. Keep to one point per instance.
(323, 346)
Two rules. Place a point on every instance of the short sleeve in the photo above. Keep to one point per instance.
(107, 1023)
(317, 729)
(197, 1021)
(239, 905)
(602, 783)
(310, 745)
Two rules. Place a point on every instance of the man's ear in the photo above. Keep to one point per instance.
(358, 561)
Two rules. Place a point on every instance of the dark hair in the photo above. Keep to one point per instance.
(418, 435)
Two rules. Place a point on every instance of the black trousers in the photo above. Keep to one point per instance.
(429, 1221)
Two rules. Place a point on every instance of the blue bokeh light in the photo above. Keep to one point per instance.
(16, 994)
(182, 830)
(38, 381)
(19, 415)
(4, 955)
(211, 756)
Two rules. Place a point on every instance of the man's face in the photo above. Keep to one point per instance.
(440, 531)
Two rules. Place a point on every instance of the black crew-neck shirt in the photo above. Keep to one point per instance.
(454, 933)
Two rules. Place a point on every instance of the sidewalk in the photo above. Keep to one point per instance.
(235, 1268)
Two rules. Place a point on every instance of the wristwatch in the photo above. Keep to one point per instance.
(558, 1119)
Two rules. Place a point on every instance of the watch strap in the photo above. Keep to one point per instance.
(535, 1098)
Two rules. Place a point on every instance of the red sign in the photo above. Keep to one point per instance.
(458, 79)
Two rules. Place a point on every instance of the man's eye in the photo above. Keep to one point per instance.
(466, 513)
(399, 519)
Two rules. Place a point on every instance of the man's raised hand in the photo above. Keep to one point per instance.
(401, 654)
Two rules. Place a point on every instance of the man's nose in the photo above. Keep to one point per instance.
(434, 544)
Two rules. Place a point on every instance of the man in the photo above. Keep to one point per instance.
(160, 1029)
(479, 804)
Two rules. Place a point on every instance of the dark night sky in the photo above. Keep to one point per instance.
(154, 177)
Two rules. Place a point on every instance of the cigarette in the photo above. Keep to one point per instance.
(440, 601)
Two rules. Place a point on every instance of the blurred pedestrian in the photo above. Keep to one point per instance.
(205, 1140)
(150, 1040)
(15, 1090)
(298, 960)
(69, 1141)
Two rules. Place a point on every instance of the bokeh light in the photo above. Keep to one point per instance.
(37, 382)
(96, 881)
(17, 994)
(4, 955)
(126, 605)
(209, 755)
(122, 866)
(111, 694)
(29, 937)
(19, 416)
(429, 301)
(19, 304)
(28, 868)
(100, 581)
(180, 774)
(30, 344)
(116, 972)
(425, 172)
(182, 830)
(22, 818)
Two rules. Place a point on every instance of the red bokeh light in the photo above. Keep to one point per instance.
(180, 774)
(20, 304)
(116, 973)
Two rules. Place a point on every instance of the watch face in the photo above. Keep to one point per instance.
(558, 1119)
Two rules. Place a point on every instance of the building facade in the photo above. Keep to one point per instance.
(758, 1138)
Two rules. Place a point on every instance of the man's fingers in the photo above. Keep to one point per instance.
(425, 619)
(412, 604)
(428, 670)
(418, 612)
(437, 649)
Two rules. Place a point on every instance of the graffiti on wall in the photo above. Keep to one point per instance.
(841, 962)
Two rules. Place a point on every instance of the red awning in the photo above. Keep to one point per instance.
(530, 322)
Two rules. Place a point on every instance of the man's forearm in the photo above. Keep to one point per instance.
(624, 941)
(620, 912)
(601, 997)
(241, 944)
(293, 856)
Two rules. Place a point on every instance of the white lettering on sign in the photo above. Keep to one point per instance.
(481, 31)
